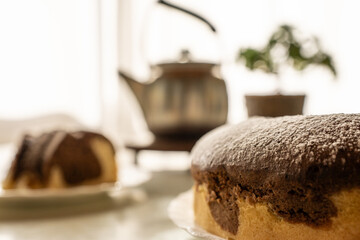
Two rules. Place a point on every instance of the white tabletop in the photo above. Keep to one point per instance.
(137, 213)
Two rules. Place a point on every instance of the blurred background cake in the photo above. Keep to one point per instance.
(60, 159)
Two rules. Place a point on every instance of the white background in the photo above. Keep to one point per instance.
(62, 55)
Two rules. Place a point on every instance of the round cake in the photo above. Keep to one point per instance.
(62, 159)
(293, 177)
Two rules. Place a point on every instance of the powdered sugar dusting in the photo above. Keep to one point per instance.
(281, 144)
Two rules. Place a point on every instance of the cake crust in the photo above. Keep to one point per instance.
(256, 222)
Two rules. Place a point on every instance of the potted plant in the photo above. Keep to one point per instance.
(283, 47)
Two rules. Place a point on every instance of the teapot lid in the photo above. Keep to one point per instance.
(185, 63)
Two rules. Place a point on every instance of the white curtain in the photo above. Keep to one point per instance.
(59, 59)
(50, 59)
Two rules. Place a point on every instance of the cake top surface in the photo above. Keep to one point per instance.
(294, 147)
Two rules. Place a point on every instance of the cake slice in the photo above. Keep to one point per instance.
(62, 159)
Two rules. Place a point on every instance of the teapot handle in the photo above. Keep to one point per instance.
(188, 12)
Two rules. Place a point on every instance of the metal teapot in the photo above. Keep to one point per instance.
(182, 98)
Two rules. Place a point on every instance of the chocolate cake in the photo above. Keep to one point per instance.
(62, 159)
(293, 177)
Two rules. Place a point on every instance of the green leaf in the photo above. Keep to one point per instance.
(284, 37)
(256, 59)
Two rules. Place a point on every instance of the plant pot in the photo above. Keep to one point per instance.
(274, 105)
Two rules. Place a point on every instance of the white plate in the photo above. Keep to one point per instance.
(181, 213)
(129, 177)
(27, 194)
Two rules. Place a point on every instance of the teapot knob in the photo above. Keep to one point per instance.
(185, 56)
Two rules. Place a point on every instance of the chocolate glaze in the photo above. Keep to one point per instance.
(72, 152)
(293, 164)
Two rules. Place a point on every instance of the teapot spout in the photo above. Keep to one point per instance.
(136, 87)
